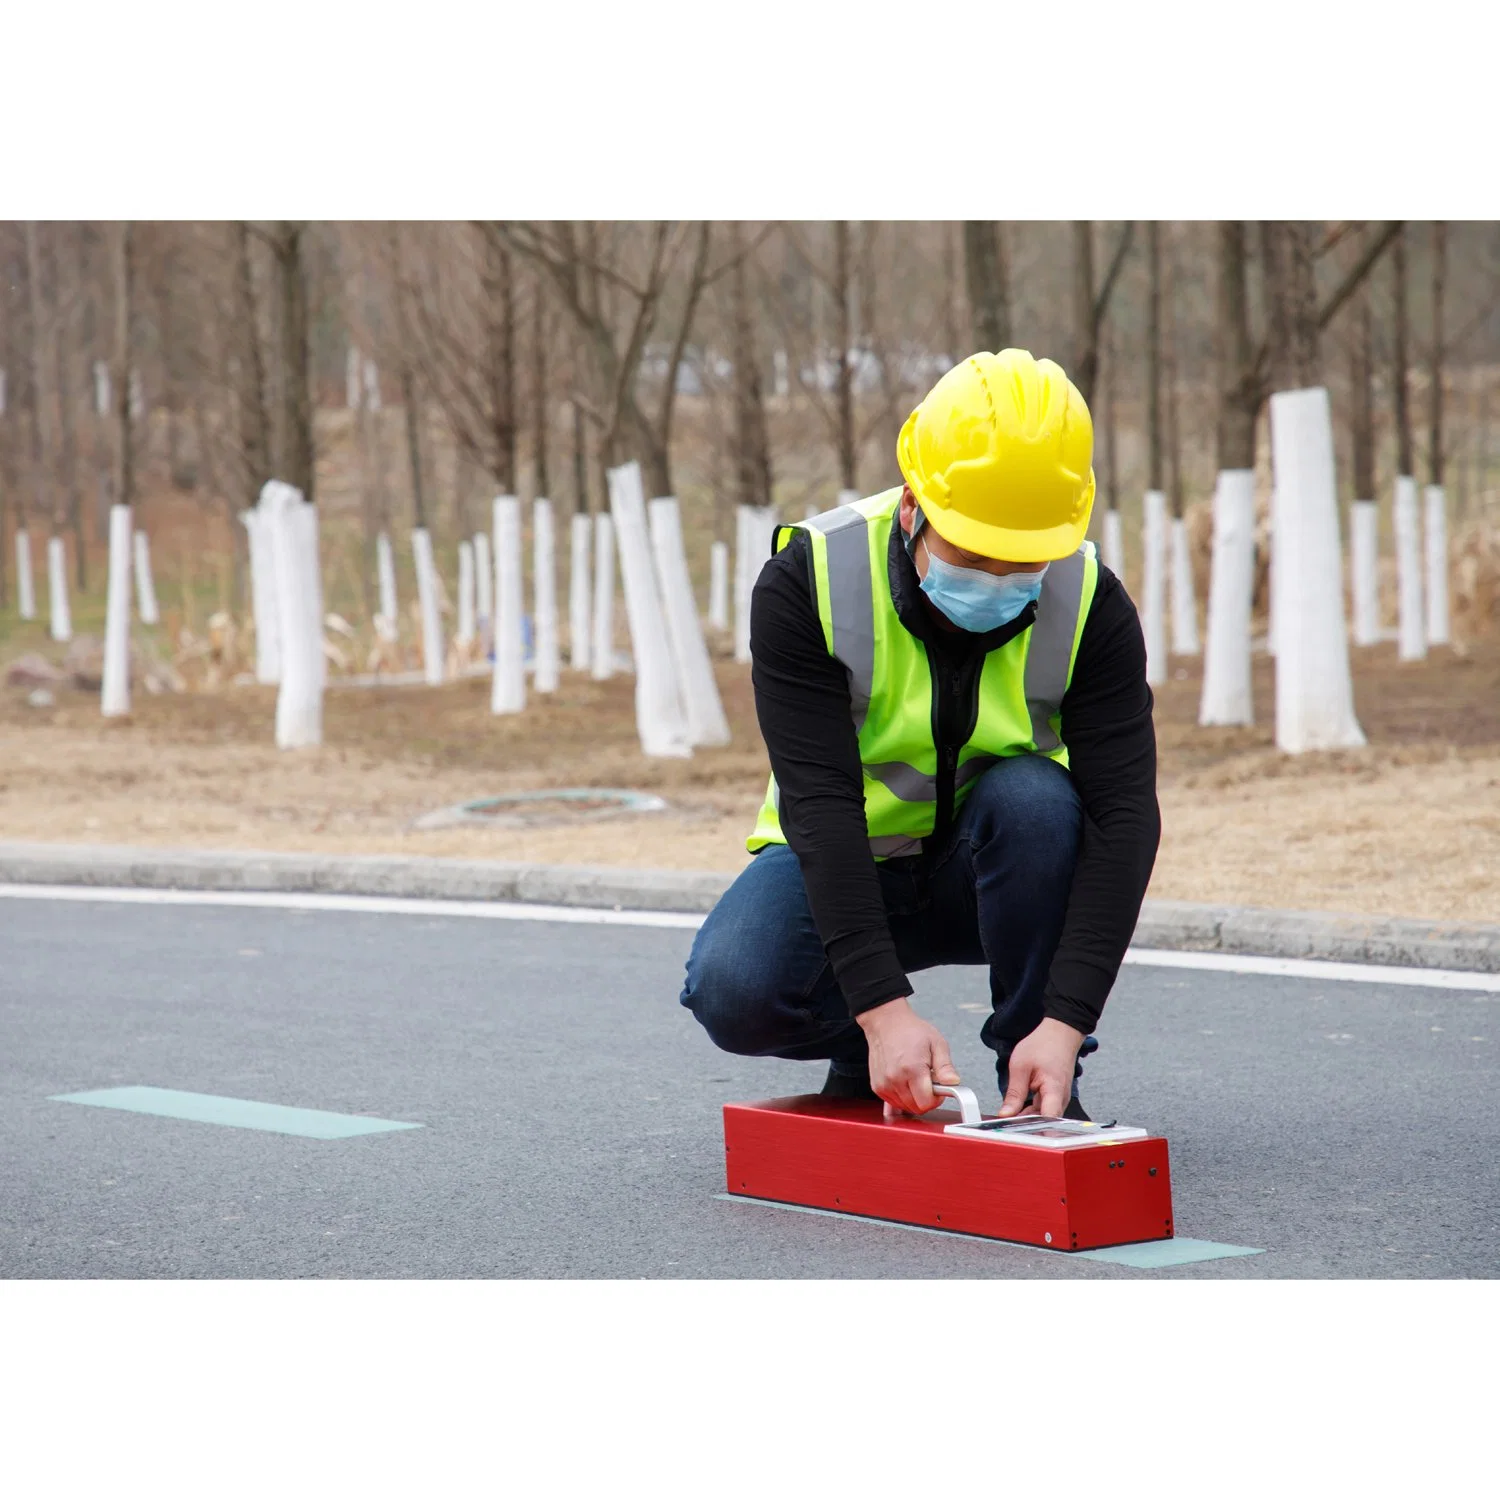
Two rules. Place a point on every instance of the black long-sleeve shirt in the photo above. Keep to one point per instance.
(802, 699)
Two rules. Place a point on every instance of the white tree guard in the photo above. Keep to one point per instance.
(389, 622)
(508, 688)
(1154, 586)
(696, 686)
(372, 385)
(753, 528)
(114, 697)
(544, 594)
(1184, 605)
(846, 497)
(1275, 577)
(25, 584)
(1411, 622)
(465, 633)
(579, 584)
(1226, 695)
(101, 388)
(1314, 693)
(263, 606)
(427, 606)
(1113, 547)
(809, 511)
(145, 589)
(2, 391)
(57, 589)
(1364, 571)
(351, 378)
(484, 577)
(660, 720)
(718, 586)
(293, 526)
(603, 651)
(1437, 566)
(137, 394)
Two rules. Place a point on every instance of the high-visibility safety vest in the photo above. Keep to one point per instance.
(1021, 684)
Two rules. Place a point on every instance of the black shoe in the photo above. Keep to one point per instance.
(1076, 1111)
(847, 1086)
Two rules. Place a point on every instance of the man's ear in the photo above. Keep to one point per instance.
(908, 512)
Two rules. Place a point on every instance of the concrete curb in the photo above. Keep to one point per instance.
(1179, 925)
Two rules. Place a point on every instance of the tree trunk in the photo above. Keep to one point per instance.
(412, 406)
(1154, 479)
(752, 463)
(1291, 304)
(951, 345)
(1435, 429)
(255, 422)
(41, 411)
(124, 366)
(986, 277)
(540, 407)
(1239, 390)
(846, 449)
(1405, 465)
(581, 504)
(1172, 431)
(1085, 369)
(1362, 400)
(1110, 382)
(65, 297)
(297, 406)
(500, 359)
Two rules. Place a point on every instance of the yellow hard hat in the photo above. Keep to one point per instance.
(998, 456)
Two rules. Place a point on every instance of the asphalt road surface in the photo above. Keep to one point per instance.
(569, 1108)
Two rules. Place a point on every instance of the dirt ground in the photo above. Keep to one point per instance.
(1408, 826)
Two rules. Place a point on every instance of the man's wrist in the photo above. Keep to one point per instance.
(1051, 1023)
(887, 1011)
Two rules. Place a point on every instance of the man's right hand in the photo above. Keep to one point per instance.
(907, 1056)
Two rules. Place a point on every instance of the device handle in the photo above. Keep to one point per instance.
(967, 1101)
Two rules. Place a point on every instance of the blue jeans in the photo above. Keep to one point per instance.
(996, 894)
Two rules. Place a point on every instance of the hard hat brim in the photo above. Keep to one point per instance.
(1006, 543)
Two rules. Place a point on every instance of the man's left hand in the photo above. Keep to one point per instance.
(1042, 1064)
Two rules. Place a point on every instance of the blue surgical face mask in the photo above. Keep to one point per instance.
(973, 600)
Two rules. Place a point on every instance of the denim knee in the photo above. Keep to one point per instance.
(1031, 803)
(723, 993)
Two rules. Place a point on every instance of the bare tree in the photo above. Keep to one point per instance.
(752, 453)
(986, 276)
(1091, 304)
(614, 297)
(248, 361)
(41, 388)
(124, 365)
(540, 390)
(288, 243)
(1405, 464)
(1291, 304)
(1435, 392)
(1153, 357)
(1240, 389)
(1362, 399)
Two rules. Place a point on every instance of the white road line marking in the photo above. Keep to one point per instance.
(400, 906)
(1316, 968)
(533, 911)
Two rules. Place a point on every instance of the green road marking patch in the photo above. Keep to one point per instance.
(246, 1114)
(1151, 1255)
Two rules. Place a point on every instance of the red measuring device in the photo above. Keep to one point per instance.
(962, 1175)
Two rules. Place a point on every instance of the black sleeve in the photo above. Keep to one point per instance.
(1111, 740)
(802, 700)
